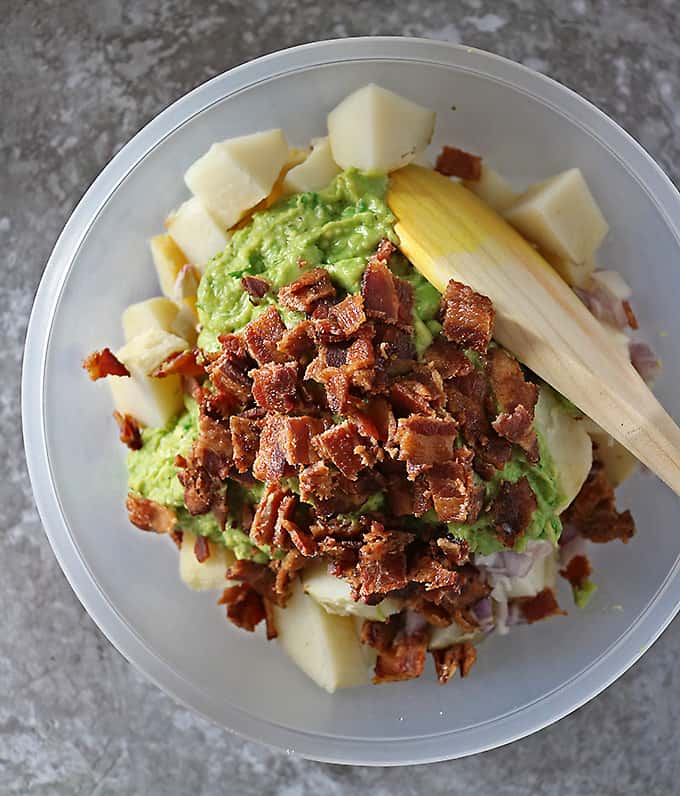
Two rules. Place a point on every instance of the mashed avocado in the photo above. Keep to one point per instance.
(338, 229)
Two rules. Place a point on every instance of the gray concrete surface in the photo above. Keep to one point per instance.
(77, 79)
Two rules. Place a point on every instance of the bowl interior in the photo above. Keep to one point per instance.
(229, 673)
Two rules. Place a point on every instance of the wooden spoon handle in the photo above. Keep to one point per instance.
(448, 233)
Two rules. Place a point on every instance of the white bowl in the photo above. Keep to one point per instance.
(527, 126)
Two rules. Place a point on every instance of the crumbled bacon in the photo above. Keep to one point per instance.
(285, 571)
(263, 335)
(316, 482)
(256, 287)
(297, 343)
(149, 515)
(401, 655)
(346, 448)
(177, 537)
(245, 440)
(513, 509)
(270, 620)
(232, 385)
(245, 607)
(456, 550)
(296, 440)
(343, 320)
(275, 386)
(420, 392)
(456, 496)
(382, 562)
(454, 162)
(100, 364)
(130, 433)
(303, 294)
(199, 489)
(266, 515)
(201, 549)
(424, 441)
(447, 358)
(379, 290)
(543, 605)
(457, 656)
(270, 463)
(593, 512)
(259, 576)
(212, 448)
(577, 571)
(181, 363)
(467, 317)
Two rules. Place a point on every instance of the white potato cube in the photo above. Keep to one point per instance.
(442, 637)
(492, 189)
(236, 174)
(168, 259)
(209, 574)
(568, 443)
(376, 130)
(335, 596)
(315, 172)
(574, 274)
(155, 313)
(612, 282)
(561, 216)
(196, 232)
(185, 323)
(618, 462)
(151, 401)
(541, 576)
(325, 646)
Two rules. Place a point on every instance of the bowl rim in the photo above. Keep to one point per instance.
(431, 748)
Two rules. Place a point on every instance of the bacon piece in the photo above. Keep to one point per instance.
(288, 528)
(456, 496)
(232, 385)
(297, 343)
(394, 345)
(181, 363)
(420, 392)
(467, 398)
(513, 508)
(454, 162)
(457, 656)
(263, 335)
(337, 384)
(374, 418)
(384, 251)
(259, 576)
(447, 358)
(401, 654)
(100, 364)
(593, 512)
(316, 482)
(285, 571)
(199, 489)
(177, 537)
(201, 549)
(379, 290)
(457, 551)
(343, 320)
(407, 498)
(275, 386)
(270, 620)
(256, 287)
(346, 448)
(270, 464)
(149, 515)
(130, 433)
(245, 440)
(245, 607)
(543, 605)
(297, 434)
(382, 562)
(406, 300)
(266, 515)
(467, 317)
(493, 455)
(212, 448)
(424, 441)
(303, 294)
(577, 571)
(433, 572)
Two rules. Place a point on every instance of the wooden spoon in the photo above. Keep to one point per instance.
(448, 233)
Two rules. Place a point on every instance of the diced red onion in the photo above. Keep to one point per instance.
(569, 531)
(576, 547)
(507, 562)
(605, 306)
(414, 623)
(644, 360)
(483, 612)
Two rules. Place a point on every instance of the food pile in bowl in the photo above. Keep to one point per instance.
(344, 453)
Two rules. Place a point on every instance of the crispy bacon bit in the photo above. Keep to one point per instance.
(177, 537)
(379, 290)
(245, 440)
(449, 660)
(149, 515)
(255, 287)
(263, 335)
(456, 496)
(100, 364)
(199, 489)
(245, 607)
(467, 317)
(433, 573)
(577, 571)
(303, 294)
(201, 549)
(424, 441)
(593, 512)
(382, 562)
(130, 433)
(270, 620)
(266, 515)
(275, 386)
(232, 385)
(287, 527)
(343, 320)
(421, 392)
(457, 551)
(182, 363)
(384, 251)
(401, 654)
(467, 398)
(297, 439)
(285, 572)
(316, 483)
(543, 605)
(270, 463)
(297, 343)
(337, 384)
(259, 576)
(454, 162)
(447, 358)
(493, 455)
(630, 315)
(513, 508)
(346, 448)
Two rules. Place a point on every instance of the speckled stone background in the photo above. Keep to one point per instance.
(77, 80)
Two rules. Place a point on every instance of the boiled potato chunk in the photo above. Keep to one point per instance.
(573, 273)
(618, 462)
(492, 189)
(168, 259)
(236, 174)
(313, 173)
(612, 282)
(442, 637)
(376, 130)
(151, 401)
(325, 646)
(561, 216)
(541, 576)
(209, 574)
(568, 443)
(335, 596)
(184, 324)
(155, 313)
(196, 232)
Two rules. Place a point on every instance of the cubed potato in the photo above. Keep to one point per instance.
(443, 637)
(618, 462)
(561, 216)
(196, 232)
(376, 130)
(335, 596)
(542, 575)
(185, 323)
(236, 174)
(313, 173)
(568, 443)
(168, 259)
(612, 282)
(573, 273)
(325, 646)
(492, 189)
(209, 574)
(154, 313)
(151, 401)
